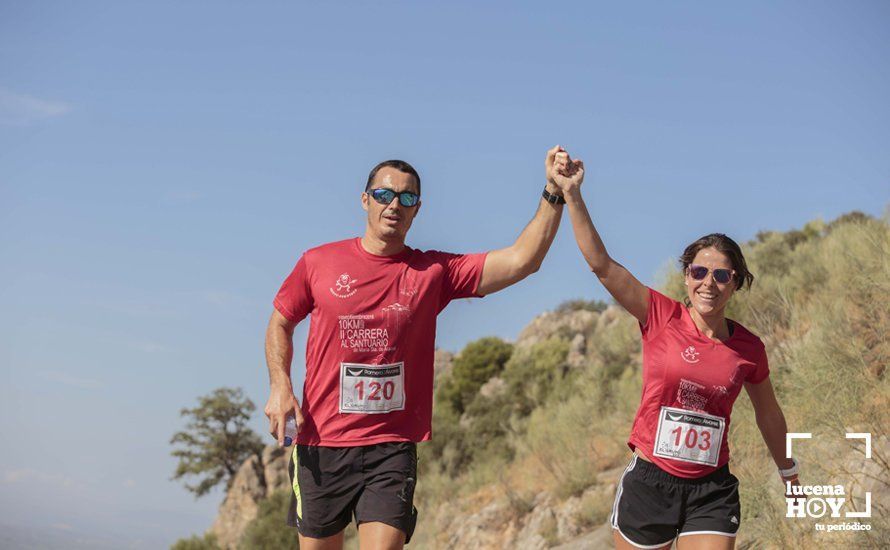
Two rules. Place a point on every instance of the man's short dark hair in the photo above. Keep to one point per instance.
(399, 165)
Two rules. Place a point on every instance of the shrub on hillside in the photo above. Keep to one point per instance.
(532, 374)
(612, 349)
(476, 364)
(470, 426)
(855, 218)
(269, 530)
(488, 422)
(569, 306)
(448, 446)
(207, 542)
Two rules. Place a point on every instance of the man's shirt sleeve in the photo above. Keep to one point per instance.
(463, 272)
(294, 299)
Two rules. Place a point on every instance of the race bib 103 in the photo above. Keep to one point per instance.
(372, 389)
(689, 436)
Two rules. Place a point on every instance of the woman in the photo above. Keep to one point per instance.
(695, 362)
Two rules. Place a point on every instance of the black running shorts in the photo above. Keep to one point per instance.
(653, 507)
(331, 485)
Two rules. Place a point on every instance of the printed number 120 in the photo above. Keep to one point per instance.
(389, 389)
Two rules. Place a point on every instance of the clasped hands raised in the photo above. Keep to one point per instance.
(564, 173)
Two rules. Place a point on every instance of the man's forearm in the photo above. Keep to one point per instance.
(507, 266)
(533, 243)
(279, 354)
(282, 403)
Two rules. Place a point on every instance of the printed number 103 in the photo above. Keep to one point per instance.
(374, 390)
(692, 437)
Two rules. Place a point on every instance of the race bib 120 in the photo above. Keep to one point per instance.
(689, 436)
(372, 389)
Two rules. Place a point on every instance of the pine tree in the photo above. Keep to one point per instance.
(216, 440)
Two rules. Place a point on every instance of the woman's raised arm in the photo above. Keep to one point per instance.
(621, 284)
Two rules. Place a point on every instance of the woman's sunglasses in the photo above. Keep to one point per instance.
(699, 272)
(385, 196)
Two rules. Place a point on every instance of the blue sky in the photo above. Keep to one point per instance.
(162, 166)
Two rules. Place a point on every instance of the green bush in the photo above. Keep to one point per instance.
(207, 542)
(488, 422)
(448, 446)
(532, 374)
(611, 351)
(568, 306)
(476, 364)
(560, 437)
(268, 530)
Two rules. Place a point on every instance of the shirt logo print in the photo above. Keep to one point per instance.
(397, 315)
(690, 355)
(408, 284)
(344, 286)
(690, 396)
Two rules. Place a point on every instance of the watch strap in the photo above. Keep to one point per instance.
(553, 198)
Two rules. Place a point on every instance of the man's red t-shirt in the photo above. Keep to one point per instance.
(690, 383)
(372, 334)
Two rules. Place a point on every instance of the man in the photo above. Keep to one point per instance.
(367, 397)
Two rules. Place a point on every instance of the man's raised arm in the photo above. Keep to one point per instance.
(510, 265)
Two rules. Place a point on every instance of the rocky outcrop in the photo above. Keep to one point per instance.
(599, 538)
(577, 351)
(257, 477)
(545, 521)
(275, 463)
(494, 387)
(240, 506)
(576, 327)
(481, 529)
(569, 323)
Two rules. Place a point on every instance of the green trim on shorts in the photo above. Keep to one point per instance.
(296, 459)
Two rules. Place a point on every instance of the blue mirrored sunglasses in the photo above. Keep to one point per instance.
(385, 196)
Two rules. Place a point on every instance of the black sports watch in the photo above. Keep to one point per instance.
(553, 198)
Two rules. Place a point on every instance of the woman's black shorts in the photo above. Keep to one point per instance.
(653, 507)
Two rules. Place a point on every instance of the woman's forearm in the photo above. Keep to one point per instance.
(773, 428)
(586, 235)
